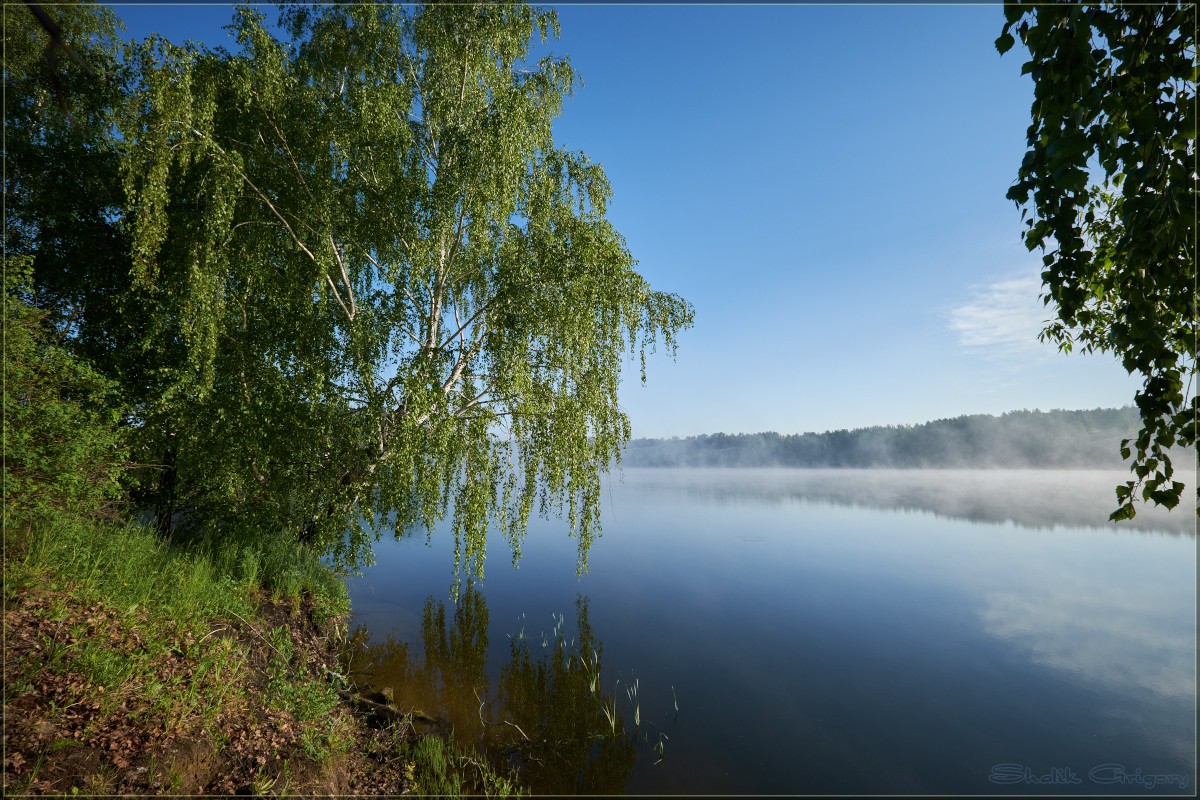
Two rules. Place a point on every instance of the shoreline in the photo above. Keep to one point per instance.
(105, 697)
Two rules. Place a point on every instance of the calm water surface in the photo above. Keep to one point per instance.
(813, 631)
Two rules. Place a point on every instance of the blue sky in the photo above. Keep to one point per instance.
(825, 183)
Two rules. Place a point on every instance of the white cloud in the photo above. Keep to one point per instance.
(1004, 318)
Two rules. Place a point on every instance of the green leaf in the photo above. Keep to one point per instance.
(1123, 513)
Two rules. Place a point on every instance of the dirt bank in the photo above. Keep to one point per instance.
(190, 710)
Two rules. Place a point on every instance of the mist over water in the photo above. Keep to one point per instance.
(1029, 498)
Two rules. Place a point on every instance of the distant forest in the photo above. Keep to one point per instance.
(1052, 439)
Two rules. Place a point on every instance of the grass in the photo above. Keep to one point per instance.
(438, 767)
(129, 565)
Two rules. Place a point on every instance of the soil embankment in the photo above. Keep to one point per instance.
(103, 700)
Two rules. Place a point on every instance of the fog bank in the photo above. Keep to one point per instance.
(1029, 498)
(1015, 440)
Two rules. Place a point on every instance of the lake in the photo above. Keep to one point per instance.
(813, 631)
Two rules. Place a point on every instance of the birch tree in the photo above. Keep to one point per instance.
(396, 298)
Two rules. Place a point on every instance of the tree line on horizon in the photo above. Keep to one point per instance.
(1051, 439)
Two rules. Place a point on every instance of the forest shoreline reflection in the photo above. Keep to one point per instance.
(554, 720)
(1038, 499)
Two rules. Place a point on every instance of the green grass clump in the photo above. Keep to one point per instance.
(437, 766)
(129, 564)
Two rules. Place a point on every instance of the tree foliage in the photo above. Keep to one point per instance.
(64, 452)
(62, 187)
(1110, 178)
(351, 275)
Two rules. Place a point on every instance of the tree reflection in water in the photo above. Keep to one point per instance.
(548, 718)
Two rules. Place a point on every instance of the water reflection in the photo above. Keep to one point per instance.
(554, 690)
(828, 632)
(1029, 498)
(548, 718)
